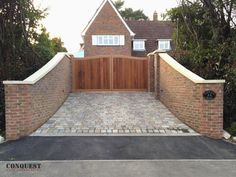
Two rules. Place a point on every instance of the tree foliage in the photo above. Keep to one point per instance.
(206, 29)
(18, 21)
(58, 45)
(22, 49)
(129, 13)
(47, 47)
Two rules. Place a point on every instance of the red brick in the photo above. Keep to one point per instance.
(184, 99)
(107, 23)
(27, 103)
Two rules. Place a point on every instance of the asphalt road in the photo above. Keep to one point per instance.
(116, 148)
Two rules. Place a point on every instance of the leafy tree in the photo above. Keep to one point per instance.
(119, 4)
(44, 46)
(18, 23)
(58, 45)
(206, 29)
(22, 49)
(129, 13)
(47, 47)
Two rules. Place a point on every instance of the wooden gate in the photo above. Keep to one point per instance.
(110, 73)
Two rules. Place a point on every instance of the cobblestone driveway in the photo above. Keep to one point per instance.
(113, 113)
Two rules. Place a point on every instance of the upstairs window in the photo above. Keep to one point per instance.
(108, 40)
(164, 44)
(139, 45)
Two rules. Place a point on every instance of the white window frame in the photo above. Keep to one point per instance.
(108, 40)
(164, 44)
(139, 45)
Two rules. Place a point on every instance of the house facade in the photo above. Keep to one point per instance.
(108, 33)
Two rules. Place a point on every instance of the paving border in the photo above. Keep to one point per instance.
(116, 135)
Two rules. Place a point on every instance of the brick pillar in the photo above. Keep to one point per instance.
(18, 111)
(151, 73)
(157, 75)
(211, 119)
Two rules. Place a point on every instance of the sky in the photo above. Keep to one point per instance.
(67, 18)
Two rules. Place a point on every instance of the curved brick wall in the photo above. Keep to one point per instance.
(182, 92)
(29, 105)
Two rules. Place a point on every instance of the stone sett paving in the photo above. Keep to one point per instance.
(113, 113)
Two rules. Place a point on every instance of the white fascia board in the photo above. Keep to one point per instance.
(139, 39)
(41, 72)
(98, 11)
(164, 39)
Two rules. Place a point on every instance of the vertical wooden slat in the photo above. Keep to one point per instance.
(74, 71)
(111, 73)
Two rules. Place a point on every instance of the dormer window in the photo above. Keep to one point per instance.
(164, 44)
(139, 45)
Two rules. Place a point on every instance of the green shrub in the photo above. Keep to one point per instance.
(232, 129)
(230, 98)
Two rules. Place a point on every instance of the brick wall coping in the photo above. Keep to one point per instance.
(31, 80)
(156, 51)
(185, 72)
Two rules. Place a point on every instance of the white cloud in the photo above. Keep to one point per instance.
(68, 18)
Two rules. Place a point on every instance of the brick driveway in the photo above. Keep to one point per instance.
(113, 113)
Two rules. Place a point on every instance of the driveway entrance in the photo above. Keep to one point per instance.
(113, 113)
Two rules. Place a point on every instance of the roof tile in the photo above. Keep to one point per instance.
(151, 31)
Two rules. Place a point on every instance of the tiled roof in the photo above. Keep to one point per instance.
(151, 29)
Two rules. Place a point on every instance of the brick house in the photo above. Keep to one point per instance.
(107, 33)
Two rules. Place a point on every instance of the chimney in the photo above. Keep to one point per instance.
(155, 16)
